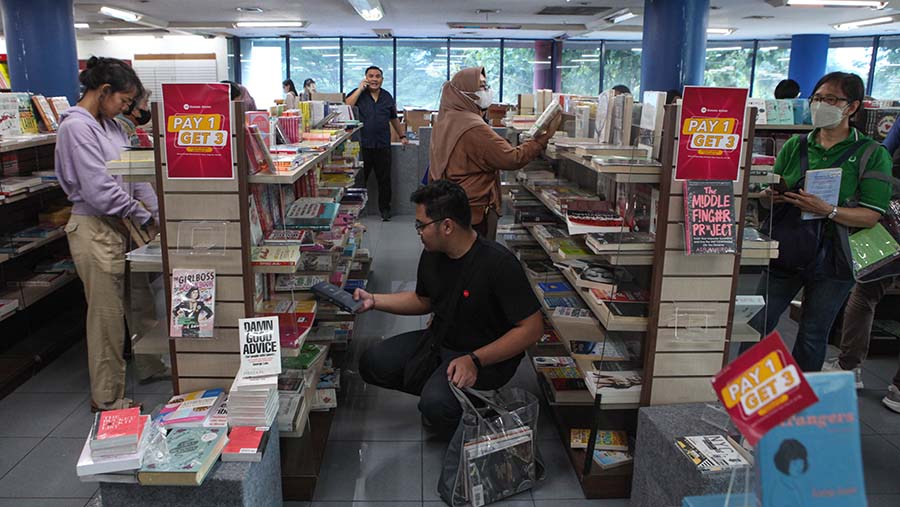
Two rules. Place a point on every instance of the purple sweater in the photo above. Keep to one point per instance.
(83, 146)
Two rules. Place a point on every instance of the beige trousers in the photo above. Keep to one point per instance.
(99, 254)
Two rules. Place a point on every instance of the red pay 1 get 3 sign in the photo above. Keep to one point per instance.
(763, 387)
(710, 133)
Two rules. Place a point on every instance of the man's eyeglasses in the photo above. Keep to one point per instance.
(828, 99)
(419, 225)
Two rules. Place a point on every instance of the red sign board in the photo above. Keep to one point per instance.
(198, 130)
(710, 133)
(763, 387)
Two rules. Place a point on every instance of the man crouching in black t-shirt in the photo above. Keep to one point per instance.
(485, 313)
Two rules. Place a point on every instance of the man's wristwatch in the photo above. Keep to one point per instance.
(475, 360)
(833, 213)
(402, 137)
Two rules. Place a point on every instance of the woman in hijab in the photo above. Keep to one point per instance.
(466, 150)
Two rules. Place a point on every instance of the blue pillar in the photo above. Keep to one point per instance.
(674, 46)
(40, 42)
(809, 55)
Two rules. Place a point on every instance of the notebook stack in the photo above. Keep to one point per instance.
(253, 401)
(115, 446)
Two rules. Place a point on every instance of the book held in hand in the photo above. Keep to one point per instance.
(826, 185)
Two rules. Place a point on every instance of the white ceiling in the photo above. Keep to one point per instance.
(419, 18)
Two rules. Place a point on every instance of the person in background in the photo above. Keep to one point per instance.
(672, 96)
(142, 289)
(88, 137)
(787, 89)
(892, 140)
(291, 100)
(856, 330)
(466, 150)
(378, 113)
(309, 87)
(827, 280)
(132, 120)
(621, 89)
(485, 313)
(240, 93)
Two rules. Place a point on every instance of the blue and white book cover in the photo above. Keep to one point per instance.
(825, 183)
(814, 458)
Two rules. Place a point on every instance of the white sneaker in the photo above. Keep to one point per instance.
(892, 400)
(834, 365)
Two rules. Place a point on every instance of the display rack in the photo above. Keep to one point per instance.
(210, 363)
(679, 356)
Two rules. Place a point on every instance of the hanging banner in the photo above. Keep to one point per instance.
(710, 133)
(763, 387)
(197, 119)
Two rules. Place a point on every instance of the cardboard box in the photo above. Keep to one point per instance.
(526, 103)
(416, 118)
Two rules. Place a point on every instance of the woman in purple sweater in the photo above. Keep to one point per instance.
(89, 137)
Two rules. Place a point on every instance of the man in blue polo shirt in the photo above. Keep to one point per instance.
(378, 112)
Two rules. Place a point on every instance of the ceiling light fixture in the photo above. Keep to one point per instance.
(122, 14)
(720, 31)
(82, 26)
(256, 10)
(620, 16)
(853, 25)
(487, 11)
(271, 24)
(369, 10)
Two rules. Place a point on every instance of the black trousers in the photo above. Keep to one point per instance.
(379, 161)
(383, 364)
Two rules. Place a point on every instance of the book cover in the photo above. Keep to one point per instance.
(627, 309)
(567, 301)
(192, 453)
(9, 115)
(709, 220)
(872, 248)
(193, 301)
(636, 295)
(711, 453)
(243, 440)
(814, 457)
(293, 282)
(59, 105)
(116, 428)
(609, 350)
(27, 121)
(175, 401)
(555, 287)
(309, 354)
(574, 314)
(553, 361)
(824, 183)
(256, 230)
(746, 307)
(604, 441)
(612, 459)
(46, 113)
(218, 417)
(620, 241)
(260, 342)
(325, 399)
(300, 237)
(275, 256)
(189, 413)
(88, 464)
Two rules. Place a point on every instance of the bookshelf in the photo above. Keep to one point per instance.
(31, 340)
(679, 356)
(211, 363)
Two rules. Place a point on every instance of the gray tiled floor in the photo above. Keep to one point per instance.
(378, 454)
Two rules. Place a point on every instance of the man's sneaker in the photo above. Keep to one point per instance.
(892, 400)
(834, 365)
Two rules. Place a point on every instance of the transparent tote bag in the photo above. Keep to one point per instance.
(494, 453)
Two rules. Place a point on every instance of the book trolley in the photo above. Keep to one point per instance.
(206, 224)
(687, 332)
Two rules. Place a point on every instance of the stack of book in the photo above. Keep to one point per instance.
(253, 401)
(245, 443)
(192, 454)
(115, 446)
(291, 388)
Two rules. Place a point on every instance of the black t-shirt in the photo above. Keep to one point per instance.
(495, 296)
(376, 118)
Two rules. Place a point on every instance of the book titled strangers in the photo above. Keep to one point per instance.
(193, 301)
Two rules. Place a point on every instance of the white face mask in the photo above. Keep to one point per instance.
(825, 116)
(485, 98)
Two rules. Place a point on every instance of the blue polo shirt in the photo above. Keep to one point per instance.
(376, 118)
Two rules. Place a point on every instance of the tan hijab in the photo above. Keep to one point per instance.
(457, 115)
